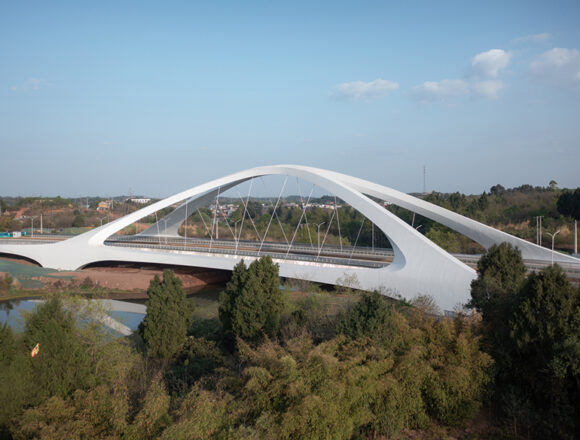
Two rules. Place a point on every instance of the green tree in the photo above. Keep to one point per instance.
(251, 303)
(78, 221)
(7, 345)
(569, 203)
(63, 363)
(545, 329)
(501, 272)
(369, 317)
(169, 315)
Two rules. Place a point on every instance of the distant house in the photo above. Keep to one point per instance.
(140, 201)
(104, 205)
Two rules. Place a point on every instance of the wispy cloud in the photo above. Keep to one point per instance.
(558, 65)
(488, 64)
(480, 82)
(535, 38)
(454, 88)
(365, 90)
(488, 89)
(440, 90)
(30, 85)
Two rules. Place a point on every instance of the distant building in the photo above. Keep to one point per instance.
(105, 205)
(140, 201)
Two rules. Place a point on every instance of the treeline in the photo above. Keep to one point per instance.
(317, 225)
(512, 210)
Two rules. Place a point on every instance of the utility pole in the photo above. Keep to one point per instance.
(318, 239)
(575, 237)
(539, 229)
(31, 217)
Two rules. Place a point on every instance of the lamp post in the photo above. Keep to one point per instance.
(165, 230)
(553, 237)
(318, 235)
(539, 229)
(101, 219)
(417, 228)
(575, 237)
(31, 217)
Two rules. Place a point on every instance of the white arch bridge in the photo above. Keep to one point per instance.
(418, 267)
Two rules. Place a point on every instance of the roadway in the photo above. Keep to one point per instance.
(331, 254)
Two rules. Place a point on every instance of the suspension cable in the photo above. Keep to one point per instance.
(357, 236)
(305, 216)
(214, 224)
(245, 209)
(273, 212)
(338, 223)
(203, 221)
(325, 234)
(299, 222)
(158, 233)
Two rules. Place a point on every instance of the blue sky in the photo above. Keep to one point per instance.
(100, 97)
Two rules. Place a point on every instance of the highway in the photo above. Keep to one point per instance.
(330, 254)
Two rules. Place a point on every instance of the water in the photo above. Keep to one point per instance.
(206, 306)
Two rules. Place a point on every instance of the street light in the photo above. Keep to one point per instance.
(31, 217)
(101, 219)
(318, 235)
(165, 230)
(553, 236)
(417, 228)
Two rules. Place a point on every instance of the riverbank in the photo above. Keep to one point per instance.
(128, 281)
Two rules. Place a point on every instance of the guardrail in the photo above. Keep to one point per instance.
(246, 253)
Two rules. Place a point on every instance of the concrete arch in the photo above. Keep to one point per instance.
(419, 266)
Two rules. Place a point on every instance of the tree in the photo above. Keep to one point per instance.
(569, 203)
(169, 315)
(545, 330)
(7, 345)
(500, 273)
(497, 190)
(78, 221)
(369, 317)
(251, 303)
(63, 363)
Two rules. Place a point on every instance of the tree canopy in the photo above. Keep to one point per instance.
(569, 203)
(168, 316)
(531, 327)
(251, 303)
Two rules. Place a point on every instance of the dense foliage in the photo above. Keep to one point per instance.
(531, 327)
(569, 203)
(332, 367)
